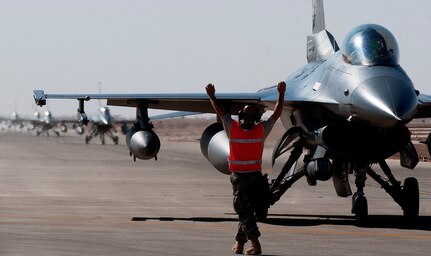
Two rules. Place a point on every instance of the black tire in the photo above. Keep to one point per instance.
(410, 198)
(361, 209)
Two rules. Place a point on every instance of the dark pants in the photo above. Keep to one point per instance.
(246, 188)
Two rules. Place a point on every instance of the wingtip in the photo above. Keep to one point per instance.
(39, 97)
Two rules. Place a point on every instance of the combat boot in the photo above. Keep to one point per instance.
(255, 248)
(238, 248)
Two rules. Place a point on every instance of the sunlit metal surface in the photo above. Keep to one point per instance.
(384, 101)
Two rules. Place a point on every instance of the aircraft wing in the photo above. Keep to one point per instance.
(424, 107)
(191, 102)
(174, 115)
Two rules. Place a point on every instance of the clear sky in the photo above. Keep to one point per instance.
(179, 46)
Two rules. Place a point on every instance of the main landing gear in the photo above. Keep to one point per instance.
(406, 195)
(95, 132)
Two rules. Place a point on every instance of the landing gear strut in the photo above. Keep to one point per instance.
(280, 185)
(407, 196)
(359, 201)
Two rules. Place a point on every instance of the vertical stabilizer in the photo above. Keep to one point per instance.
(318, 16)
(321, 44)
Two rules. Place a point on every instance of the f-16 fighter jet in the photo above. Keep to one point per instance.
(345, 111)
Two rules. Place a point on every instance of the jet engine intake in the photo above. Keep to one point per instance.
(79, 129)
(143, 144)
(362, 143)
(215, 147)
(63, 127)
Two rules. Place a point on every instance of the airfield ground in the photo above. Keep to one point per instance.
(59, 196)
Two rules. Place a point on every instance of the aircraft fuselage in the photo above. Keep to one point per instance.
(363, 105)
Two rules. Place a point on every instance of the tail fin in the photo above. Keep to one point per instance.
(321, 44)
(318, 16)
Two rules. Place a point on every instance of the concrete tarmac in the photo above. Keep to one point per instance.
(61, 197)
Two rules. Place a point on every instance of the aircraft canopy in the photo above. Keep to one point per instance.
(371, 45)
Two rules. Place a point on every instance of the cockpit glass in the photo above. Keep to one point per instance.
(371, 45)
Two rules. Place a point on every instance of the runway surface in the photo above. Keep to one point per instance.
(61, 197)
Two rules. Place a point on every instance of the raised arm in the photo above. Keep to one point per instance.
(217, 106)
(281, 88)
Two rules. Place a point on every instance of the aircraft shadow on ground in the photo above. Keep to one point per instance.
(193, 219)
(374, 221)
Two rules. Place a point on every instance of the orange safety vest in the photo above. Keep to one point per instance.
(246, 148)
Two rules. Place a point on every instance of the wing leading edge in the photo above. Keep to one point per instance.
(190, 102)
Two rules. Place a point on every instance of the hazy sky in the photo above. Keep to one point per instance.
(179, 46)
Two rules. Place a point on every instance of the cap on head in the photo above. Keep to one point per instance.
(248, 116)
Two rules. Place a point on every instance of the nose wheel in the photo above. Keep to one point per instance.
(360, 207)
(359, 201)
(410, 198)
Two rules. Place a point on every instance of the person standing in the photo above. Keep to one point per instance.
(246, 140)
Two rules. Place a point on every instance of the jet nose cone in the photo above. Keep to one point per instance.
(384, 102)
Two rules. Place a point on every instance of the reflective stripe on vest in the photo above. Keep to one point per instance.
(245, 140)
(246, 148)
(246, 162)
